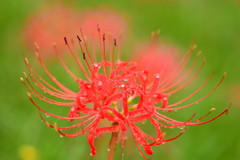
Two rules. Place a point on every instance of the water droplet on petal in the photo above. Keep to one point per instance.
(143, 122)
(61, 135)
(182, 127)
(108, 149)
(47, 115)
(157, 76)
(99, 83)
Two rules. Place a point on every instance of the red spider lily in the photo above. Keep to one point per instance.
(112, 23)
(112, 87)
(160, 58)
(50, 24)
(45, 26)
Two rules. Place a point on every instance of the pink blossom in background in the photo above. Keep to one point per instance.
(157, 59)
(110, 23)
(50, 25)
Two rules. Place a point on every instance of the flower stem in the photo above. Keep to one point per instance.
(112, 144)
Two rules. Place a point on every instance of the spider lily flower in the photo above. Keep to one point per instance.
(118, 93)
(160, 60)
(112, 24)
(45, 27)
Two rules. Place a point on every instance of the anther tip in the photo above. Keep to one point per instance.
(98, 28)
(47, 124)
(194, 47)
(84, 56)
(36, 46)
(184, 130)
(103, 37)
(29, 95)
(55, 126)
(213, 109)
(164, 134)
(79, 39)
(152, 35)
(226, 111)
(225, 74)
(26, 60)
(199, 53)
(37, 54)
(25, 74)
(204, 60)
(21, 79)
(229, 107)
(65, 39)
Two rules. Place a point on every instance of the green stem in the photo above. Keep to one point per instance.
(112, 144)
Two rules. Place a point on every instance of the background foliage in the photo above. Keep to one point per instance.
(215, 27)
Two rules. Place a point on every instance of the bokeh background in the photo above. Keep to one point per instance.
(213, 25)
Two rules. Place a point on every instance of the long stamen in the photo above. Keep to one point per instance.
(112, 56)
(185, 75)
(62, 62)
(104, 56)
(85, 44)
(179, 67)
(169, 109)
(77, 60)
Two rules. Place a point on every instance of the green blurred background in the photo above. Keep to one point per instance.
(215, 27)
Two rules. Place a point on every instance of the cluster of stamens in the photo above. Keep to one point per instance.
(112, 87)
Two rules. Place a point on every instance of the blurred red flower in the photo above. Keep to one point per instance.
(161, 59)
(111, 23)
(49, 25)
(115, 91)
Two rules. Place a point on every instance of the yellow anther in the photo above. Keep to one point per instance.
(204, 60)
(55, 126)
(213, 109)
(184, 130)
(29, 95)
(110, 112)
(114, 103)
(36, 45)
(158, 32)
(25, 74)
(133, 107)
(194, 47)
(26, 60)
(37, 54)
(199, 53)
(152, 35)
(47, 124)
